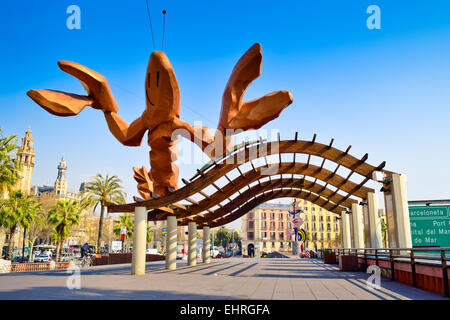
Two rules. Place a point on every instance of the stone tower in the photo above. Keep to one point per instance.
(60, 182)
(25, 155)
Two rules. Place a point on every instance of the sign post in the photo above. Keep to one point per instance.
(123, 232)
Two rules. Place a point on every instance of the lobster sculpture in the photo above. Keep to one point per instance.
(161, 117)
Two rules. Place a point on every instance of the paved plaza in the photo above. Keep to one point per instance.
(233, 278)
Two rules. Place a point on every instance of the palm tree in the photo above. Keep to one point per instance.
(9, 167)
(12, 212)
(63, 215)
(102, 191)
(125, 220)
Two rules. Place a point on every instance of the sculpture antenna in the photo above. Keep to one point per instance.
(150, 21)
(164, 28)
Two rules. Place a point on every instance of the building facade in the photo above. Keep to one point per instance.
(25, 156)
(266, 228)
(87, 230)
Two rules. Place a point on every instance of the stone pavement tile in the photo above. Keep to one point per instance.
(246, 288)
(283, 296)
(341, 292)
(319, 290)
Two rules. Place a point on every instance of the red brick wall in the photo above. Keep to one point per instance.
(118, 258)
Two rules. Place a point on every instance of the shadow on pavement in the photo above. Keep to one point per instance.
(58, 293)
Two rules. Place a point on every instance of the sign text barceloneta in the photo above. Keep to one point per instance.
(430, 226)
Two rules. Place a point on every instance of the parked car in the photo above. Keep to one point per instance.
(42, 258)
(68, 257)
(214, 252)
(227, 254)
(264, 255)
(180, 256)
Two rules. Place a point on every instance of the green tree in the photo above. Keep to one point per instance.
(9, 174)
(237, 239)
(37, 229)
(9, 167)
(13, 211)
(102, 191)
(222, 237)
(127, 221)
(63, 215)
(29, 217)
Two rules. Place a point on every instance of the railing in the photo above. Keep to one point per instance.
(25, 267)
(435, 257)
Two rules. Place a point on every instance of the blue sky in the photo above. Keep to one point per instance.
(385, 92)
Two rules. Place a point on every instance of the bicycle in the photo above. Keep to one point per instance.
(87, 261)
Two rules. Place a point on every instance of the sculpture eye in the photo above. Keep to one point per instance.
(148, 81)
(157, 79)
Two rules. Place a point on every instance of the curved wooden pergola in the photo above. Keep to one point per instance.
(285, 179)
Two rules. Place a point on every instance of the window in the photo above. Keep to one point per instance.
(321, 227)
(328, 227)
(328, 218)
(264, 215)
(264, 225)
(250, 215)
(281, 235)
(272, 235)
(314, 236)
(273, 244)
(272, 225)
(250, 235)
(313, 209)
(281, 225)
(264, 235)
(321, 218)
(335, 227)
(313, 218)
(251, 225)
(305, 209)
(272, 215)
(281, 245)
(264, 244)
(314, 227)
(281, 215)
